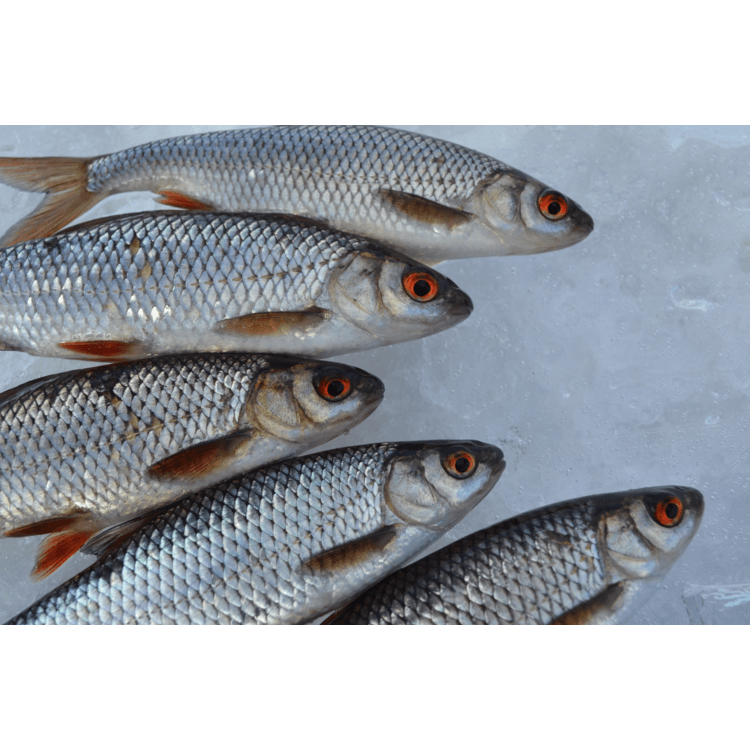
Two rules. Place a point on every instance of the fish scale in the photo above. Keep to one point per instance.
(573, 562)
(212, 558)
(205, 409)
(337, 174)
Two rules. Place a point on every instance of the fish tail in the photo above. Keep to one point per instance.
(64, 180)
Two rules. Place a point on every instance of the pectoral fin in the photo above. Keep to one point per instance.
(178, 200)
(274, 323)
(351, 554)
(202, 461)
(104, 350)
(601, 607)
(424, 210)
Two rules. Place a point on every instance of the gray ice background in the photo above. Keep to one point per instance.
(620, 362)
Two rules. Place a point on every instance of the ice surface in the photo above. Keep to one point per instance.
(619, 362)
(718, 605)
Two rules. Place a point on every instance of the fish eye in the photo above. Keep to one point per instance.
(333, 386)
(421, 286)
(669, 512)
(460, 464)
(553, 205)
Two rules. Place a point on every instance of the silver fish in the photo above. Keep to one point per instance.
(284, 544)
(432, 199)
(82, 450)
(593, 560)
(168, 282)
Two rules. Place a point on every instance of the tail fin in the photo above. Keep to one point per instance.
(64, 181)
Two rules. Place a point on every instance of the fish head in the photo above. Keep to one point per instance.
(307, 401)
(435, 484)
(649, 529)
(394, 298)
(528, 216)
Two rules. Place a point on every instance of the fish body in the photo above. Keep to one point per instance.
(82, 450)
(168, 282)
(284, 544)
(587, 561)
(431, 199)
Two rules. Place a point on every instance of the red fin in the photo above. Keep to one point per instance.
(353, 553)
(48, 526)
(178, 200)
(109, 350)
(56, 549)
(331, 619)
(424, 210)
(589, 612)
(200, 461)
(63, 179)
(279, 323)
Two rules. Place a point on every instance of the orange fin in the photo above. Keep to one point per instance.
(201, 461)
(331, 619)
(424, 210)
(351, 554)
(56, 549)
(178, 200)
(603, 604)
(104, 350)
(48, 526)
(274, 323)
(63, 179)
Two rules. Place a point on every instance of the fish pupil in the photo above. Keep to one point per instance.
(421, 288)
(671, 510)
(335, 388)
(462, 465)
(554, 208)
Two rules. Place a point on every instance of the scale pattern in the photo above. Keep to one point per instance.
(84, 439)
(509, 574)
(320, 171)
(233, 553)
(139, 277)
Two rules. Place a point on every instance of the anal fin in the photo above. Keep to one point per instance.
(424, 210)
(104, 350)
(351, 554)
(67, 535)
(179, 200)
(274, 323)
(199, 462)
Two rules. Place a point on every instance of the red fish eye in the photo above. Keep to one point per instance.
(460, 464)
(669, 512)
(421, 286)
(553, 205)
(333, 387)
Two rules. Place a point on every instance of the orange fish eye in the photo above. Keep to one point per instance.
(421, 286)
(460, 464)
(333, 387)
(669, 512)
(553, 205)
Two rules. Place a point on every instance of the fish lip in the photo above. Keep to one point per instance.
(582, 221)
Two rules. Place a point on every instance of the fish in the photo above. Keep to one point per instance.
(430, 199)
(284, 544)
(168, 282)
(83, 450)
(593, 560)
